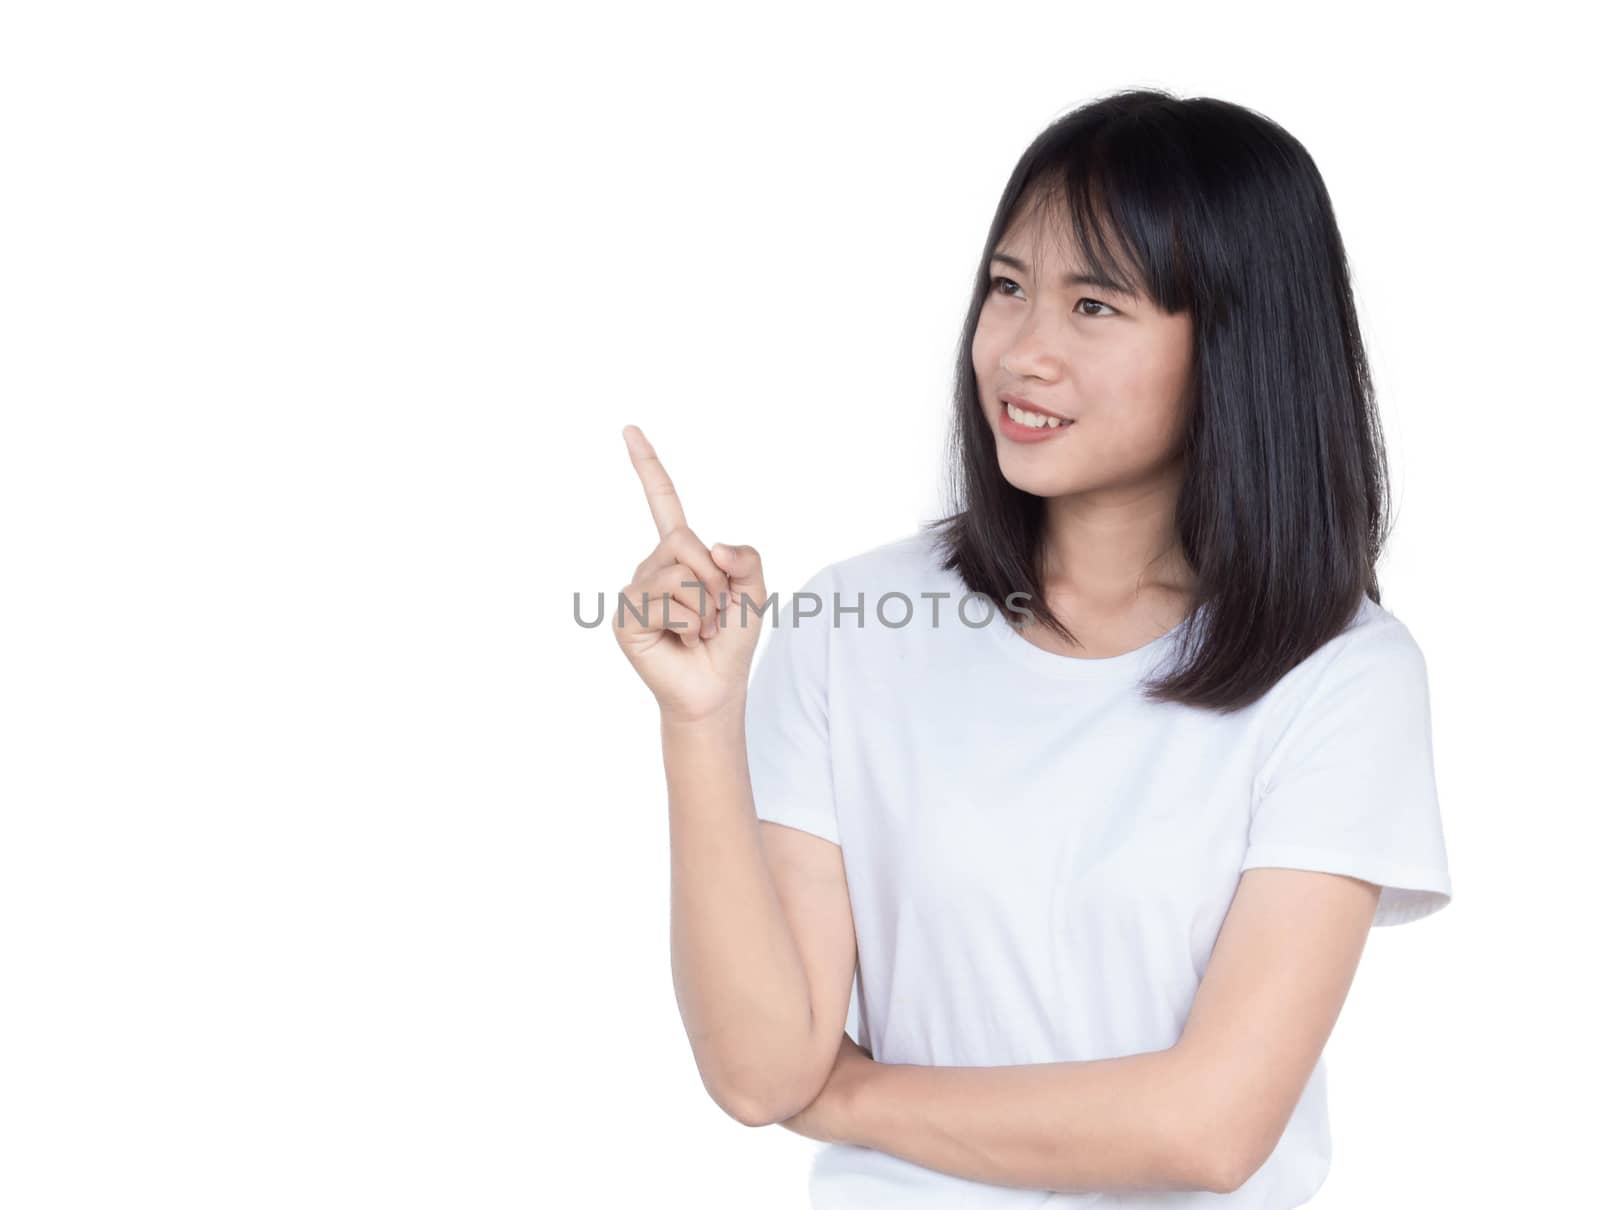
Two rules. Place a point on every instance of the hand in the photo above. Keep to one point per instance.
(827, 1118)
(695, 660)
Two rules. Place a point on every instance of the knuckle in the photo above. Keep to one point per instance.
(651, 560)
(685, 542)
(690, 579)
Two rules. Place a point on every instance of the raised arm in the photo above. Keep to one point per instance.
(760, 926)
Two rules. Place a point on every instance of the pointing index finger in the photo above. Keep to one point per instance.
(658, 490)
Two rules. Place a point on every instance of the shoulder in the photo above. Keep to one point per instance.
(1370, 675)
(891, 586)
(909, 564)
(1376, 647)
(1372, 643)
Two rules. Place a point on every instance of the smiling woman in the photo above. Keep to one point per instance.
(1102, 890)
(1168, 276)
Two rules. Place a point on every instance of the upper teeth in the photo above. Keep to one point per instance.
(1034, 420)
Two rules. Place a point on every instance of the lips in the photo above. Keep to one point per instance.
(1029, 406)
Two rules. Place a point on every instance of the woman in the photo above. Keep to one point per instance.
(1105, 877)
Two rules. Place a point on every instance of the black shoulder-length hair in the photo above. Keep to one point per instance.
(1212, 209)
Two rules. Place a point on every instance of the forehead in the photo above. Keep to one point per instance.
(1041, 227)
(1040, 239)
(1041, 231)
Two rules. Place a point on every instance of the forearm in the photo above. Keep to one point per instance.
(741, 986)
(1124, 1124)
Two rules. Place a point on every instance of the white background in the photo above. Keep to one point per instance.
(334, 858)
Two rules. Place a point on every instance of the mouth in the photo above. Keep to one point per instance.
(1023, 403)
(1024, 424)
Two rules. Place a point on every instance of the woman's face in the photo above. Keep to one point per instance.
(1116, 366)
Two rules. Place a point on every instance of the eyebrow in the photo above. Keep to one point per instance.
(1093, 280)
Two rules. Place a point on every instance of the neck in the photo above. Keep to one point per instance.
(1113, 547)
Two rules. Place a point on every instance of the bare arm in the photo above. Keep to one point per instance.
(763, 943)
(1204, 1114)
(1124, 1124)
(745, 974)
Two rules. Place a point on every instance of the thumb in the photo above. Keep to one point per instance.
(743, 567)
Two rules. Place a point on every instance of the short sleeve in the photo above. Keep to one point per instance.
(786, 716)
(1349, 786)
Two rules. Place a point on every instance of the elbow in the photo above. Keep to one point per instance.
(761, 1109)
(1215, 1162)
(753, 1112)
(1228, 1171)
(739, 1104)
(768, 1111)
(745, 1112)
(759, 1091)
(1222, 1141)
(1221, 1157)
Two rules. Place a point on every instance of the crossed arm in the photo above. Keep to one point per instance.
(1203, 1114)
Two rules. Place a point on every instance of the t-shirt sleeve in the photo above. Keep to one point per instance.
(1349, 786)
(786, 716)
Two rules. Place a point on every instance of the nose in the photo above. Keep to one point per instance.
(1030, 354)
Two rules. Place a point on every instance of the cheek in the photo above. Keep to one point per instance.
(1150, 423)
(1138, 416)
(985, 352)
(1148, 388)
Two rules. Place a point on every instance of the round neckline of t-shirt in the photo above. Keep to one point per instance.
(1129, 665)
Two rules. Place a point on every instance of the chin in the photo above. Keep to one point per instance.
(1040, 480)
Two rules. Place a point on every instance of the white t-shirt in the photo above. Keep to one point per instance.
(1039, 860)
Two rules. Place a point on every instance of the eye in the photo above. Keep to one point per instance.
(1004, 286)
